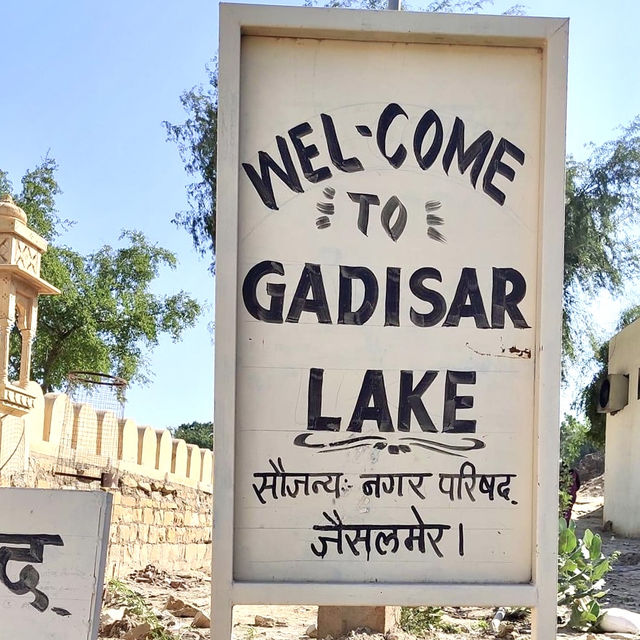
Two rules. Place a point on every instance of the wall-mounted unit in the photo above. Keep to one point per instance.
(613, 393)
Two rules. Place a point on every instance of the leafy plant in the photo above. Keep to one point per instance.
(418, 620)
(135, 605)
(482, 625)
(581, 570)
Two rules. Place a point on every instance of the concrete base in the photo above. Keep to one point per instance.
(338, 621)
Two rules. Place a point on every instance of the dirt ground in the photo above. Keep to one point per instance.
(292, 622)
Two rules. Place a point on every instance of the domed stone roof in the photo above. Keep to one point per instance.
(9, 209)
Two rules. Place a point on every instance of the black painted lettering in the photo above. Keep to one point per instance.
(467, 288)
(388, 115)
(428, 120)
(476, 154)
(348, 165)
(416, 284)
(410, 401)
(496, 166)
(345, 294)
(12, 549)
(310, 281)
(364, 200)
(392, 298)
(262, 182)
(315, 420)
(453, 402)
(274, 291)
(502, 301)
(393, 204)
(372, 389)
(306, 153)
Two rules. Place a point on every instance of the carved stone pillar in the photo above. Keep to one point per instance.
(25, 357)
(6, 325)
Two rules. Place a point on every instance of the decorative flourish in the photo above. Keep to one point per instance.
(434, 234)
(382, 443)
(329, 192)
(448, 449)
(326, 209)
(434, 220)
(323, 222)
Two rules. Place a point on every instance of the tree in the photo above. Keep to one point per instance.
(196, 137)
(574, 441)
(200, 433)
(601, 248)
(602, 195)
(106, 318)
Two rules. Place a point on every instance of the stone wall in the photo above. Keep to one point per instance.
(162, 487)
(157, 523)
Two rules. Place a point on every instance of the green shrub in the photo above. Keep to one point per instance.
(581, 570)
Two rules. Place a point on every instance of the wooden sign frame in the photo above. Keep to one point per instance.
(550, 37)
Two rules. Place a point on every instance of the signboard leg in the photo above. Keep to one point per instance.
(222, 621)
(544, 623)
(339, 621)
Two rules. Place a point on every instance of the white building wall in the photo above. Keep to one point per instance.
(622, 453)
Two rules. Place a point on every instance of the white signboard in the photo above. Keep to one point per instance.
(389, 278)
(53, 546)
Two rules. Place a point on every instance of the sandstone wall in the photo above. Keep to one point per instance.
(162, 487)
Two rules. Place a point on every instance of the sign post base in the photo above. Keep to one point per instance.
(338, 621)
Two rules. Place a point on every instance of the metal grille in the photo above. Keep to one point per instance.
(89, 447)
(12, 447)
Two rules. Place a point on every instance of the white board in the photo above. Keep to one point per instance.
(53, 547)
(388, 268)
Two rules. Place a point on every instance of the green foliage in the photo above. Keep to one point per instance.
(574, 440)
(582, 568)
(196, 139)
(121, 595)
(106, 319)
(200, 433)
(418, 620)
(482, 625)
(587, 400)
(602, 195)
(602, 199)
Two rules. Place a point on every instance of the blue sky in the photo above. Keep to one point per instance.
(90, 84)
